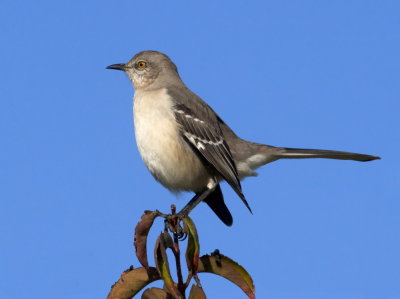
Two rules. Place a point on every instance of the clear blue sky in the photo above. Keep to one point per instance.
(314, 74)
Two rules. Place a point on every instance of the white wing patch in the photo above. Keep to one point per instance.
(193, 138)
(189, 116)
(196, 140)
(200, 146)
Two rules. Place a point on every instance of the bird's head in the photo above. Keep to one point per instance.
(148, 69)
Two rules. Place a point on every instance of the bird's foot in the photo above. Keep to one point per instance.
(173, 222)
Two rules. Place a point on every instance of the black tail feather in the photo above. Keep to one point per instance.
(216, 202)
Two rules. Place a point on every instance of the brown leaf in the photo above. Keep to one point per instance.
(197, 292)
(141, 231)
(132, 281)
(156, 293)
(160, 256)
(168, 242)
(229, 269)
(193, 247)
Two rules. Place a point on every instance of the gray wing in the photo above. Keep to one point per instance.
(208, 140)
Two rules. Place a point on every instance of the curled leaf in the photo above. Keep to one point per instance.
(141, 232)
(160, 256)
(196, 292)
(223, 266)
(193, 247)
(168, 242)
(156, 293)
(132, 281)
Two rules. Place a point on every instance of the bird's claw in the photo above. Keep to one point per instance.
(173, 224)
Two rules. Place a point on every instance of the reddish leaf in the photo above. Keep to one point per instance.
(156, 293)
(193, 247)
(160, 256)
(229, 269)
(197, 292)
(132, 281)
(141, 231)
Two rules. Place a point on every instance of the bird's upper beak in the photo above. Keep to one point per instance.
(118, 66)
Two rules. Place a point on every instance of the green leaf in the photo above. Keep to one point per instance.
(132, 281)
(223, 266)
(156, 293)
(196, 292)
(160, 256)
(141, 232)
(193, 247)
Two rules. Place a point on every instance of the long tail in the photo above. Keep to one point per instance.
(299, 153)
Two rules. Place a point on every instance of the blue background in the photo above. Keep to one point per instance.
(314, 74)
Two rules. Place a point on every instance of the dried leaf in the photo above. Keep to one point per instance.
(168, 242)
(160, 256)
(132, 281)
(156, 293)
(229, 269)
(141, 231)
(193, 247)
(196, 292)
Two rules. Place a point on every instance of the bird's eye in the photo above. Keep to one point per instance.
(140, 65)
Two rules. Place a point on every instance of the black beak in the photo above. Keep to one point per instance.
(118, 66)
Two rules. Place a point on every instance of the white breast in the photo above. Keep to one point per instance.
(167, 156)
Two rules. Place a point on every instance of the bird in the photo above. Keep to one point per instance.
(187, 146)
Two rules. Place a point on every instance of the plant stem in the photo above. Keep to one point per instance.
(177, 253)
(181, 286)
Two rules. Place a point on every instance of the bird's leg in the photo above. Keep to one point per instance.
(199, 197)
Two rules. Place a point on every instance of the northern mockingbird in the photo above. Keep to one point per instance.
(186, 146)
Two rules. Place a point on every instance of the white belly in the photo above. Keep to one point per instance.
(167, 156)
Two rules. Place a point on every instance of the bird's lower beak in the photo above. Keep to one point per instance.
(118, 66)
